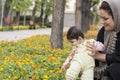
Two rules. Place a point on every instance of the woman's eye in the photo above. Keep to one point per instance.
(105, 18)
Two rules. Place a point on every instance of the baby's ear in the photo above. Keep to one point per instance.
(80, 38)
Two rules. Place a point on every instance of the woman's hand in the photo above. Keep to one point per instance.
(95, 54)
(91, 48)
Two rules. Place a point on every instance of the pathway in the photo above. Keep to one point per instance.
(21, 34)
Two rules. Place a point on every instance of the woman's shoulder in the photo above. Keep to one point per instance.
(100, 36)
(102, 29)
(118, 34)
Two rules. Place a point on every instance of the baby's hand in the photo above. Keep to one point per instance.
(99, 46)
(95, 46)
(65, 65)
(63, 68)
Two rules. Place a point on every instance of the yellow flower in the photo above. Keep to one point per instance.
(21, 73)
(14, 70)
(52, 71)
(10, 75)
(1, 69)
(60, 71)
(92, 33)
(45, 77)
(17, 63)
(45, 69)
(27, 54)
(15, 78)
(5, 62)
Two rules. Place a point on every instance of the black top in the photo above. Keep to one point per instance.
(113, 60)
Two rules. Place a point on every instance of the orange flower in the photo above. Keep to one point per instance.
(0, 49)
(33, 77)
(52, 59)
(39, 65)
(52, 71)
(34, 66)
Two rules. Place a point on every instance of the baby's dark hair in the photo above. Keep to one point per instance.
(105, 6)
(74, 33)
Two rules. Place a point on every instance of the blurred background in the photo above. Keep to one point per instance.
(40, 57)
(33, 14)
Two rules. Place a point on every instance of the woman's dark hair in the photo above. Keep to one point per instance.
(74, 33)
(105, 6)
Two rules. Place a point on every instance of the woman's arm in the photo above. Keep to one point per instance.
(96, 54)
(99, 56)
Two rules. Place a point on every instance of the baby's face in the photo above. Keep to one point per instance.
(74, 42)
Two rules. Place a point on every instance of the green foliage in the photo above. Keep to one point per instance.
(48, 7)
(93, 2)
(21, 5)
(7, 28)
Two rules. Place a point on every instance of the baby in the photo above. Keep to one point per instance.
(79, 60)
(98, 47)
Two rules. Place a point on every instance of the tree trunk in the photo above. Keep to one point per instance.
(6, 9)
(24, 21)
(78, 13)
(85, 21)
(57, 24)
(46, 19)
(41, 14)
(0, 12)
(33, 12)
(17, 18)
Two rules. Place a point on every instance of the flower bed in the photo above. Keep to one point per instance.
(32, 59)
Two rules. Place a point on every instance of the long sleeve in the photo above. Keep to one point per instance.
(113, 60)
(69, 59)
(114, 57)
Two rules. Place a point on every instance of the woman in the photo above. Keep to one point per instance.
(108, 61)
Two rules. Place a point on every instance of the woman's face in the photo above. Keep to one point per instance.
(106, 20)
